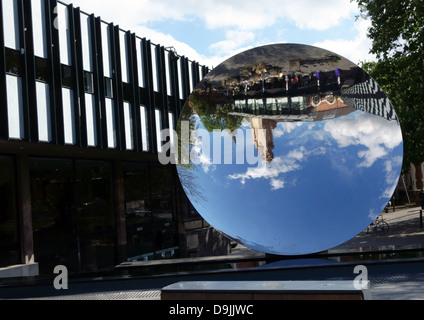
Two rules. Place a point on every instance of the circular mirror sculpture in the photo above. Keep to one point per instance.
(289, 149)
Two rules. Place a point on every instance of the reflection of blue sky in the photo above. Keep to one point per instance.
(326, 184)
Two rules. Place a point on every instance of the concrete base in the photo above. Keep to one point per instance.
(265, 290)
(20, 271)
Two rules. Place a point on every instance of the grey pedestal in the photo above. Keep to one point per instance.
(265, 290)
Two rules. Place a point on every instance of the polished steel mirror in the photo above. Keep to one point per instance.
(289, 149)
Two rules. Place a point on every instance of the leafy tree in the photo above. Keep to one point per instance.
(397, 32)
(214, 111)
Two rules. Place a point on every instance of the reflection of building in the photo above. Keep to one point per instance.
(263, 137)
(263, 125)
(369, 97)
(284, 74)
(81, 105)
(308, 109)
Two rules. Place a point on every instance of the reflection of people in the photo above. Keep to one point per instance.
(422, 198)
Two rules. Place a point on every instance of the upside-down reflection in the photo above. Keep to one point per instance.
(326, 142)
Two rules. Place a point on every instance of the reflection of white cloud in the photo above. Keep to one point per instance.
(290, 126)
(277, 184)
(280, 165)
(371, 155)
(391, 168)
(278, 133)
(374, 133)
(200, 151)
(285, 127)
(373, 214)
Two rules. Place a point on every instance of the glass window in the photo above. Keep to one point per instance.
(41, 69)
(127, 89)
(153, 50)
(180, 79)
(144, 128)
(86, 39)
(123, 44)
(64, 33)
(15, 107)
(191, 75)
(11, 20)
(151, 227)
(140, 61)
(106, 50)
(168, 74)
(73, 218)
(108, 88)
(144, 95)
(9, 235)
(66, 76)
(39, 29)
(95, 214)
(43, 111)
(138, 212)
(166, 236)
(88, 82)
(13, 62)
(172, 132)
(128, 121)
(53, 214)
(90, 108)
(158, 123)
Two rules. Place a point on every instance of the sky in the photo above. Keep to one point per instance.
(210, 32)
(327, 182)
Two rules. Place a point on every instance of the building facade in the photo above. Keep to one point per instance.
(81, 107)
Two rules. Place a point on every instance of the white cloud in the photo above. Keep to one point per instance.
(234, 41)
(217, 14)
(238, 20)
(315, 15)
(374, 133)
(277, 184)
(356, 49)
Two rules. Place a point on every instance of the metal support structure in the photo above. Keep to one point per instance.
(406, 190)
(78, 73)
(4, 124)
(58, 129)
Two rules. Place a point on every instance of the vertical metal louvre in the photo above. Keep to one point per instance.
(135, 95)
(56, 77)
(30, 107)
(4, 125)
(76, 68)
(117, 85)
(162, 104)
(80, 114)
(99, 84)
(150, 107)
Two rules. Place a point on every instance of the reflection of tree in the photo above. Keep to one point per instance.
(188, 180)
(214, 111)
(185, 171)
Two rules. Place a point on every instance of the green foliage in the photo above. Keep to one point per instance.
(397, 33)
(214, 111)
